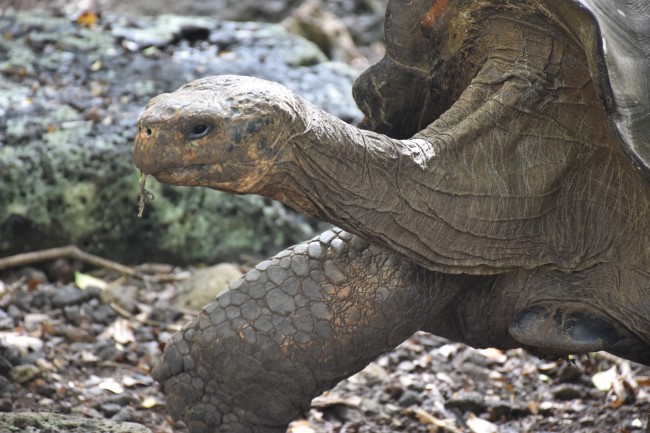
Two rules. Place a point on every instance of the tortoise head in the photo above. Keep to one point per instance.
(215, 132)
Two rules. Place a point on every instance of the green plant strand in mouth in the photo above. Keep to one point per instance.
(146, 196)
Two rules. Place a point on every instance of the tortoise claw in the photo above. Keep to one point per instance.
(566, 328)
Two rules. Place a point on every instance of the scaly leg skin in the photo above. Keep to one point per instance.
(291, 328)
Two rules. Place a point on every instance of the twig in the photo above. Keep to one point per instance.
(70, 251)
(427, 418)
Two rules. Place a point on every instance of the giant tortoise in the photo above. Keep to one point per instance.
(496, 193)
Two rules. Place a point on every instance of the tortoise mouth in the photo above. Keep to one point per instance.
(182, 174)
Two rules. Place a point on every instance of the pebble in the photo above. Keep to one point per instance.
(467, 402)
(567, 392)
(6, 321)
(569, 373)
(70, 295)
(206, 284)
(24, 373)
(110, 409)
(125, 296)
(410, 398)
(42, 422)
(6, 405)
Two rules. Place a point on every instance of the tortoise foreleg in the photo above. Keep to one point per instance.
(289, 329)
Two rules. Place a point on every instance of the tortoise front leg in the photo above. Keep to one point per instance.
(291, 328)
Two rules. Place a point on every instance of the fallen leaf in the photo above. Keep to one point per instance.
(493, 355)
(302, 426)
(89, 357)
(23, 343)
(119, 331)
(426, 418)
(87, 19)
(83, 281)
(479, 425)
(448, 350)
(149, 402)
(643, 380)
(327, 400)
(139, 379)
(604, 380)
(112, 386)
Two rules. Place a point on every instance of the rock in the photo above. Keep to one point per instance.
(70, 295)
(124, 296)
(569, 373)
(467, 402)
(409, 398)
(6, 322)
(568, 392)
(24, 373)
(42, 422)
(238, 10)
(68, 106)
(313, 21)
(205, 285)
(6, 405)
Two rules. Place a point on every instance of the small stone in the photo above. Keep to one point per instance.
(33, 321)
(45, 389)
(57, 423)
(409, 398)
(124, 296)
(467, 402)
(567, 392)
(5, 385)
(6, 405)
(70, 295)
(6, 321)
(110, 409)
(24, 373)
(205, 285)
(569, 373)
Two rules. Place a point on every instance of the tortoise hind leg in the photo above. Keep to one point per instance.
(575, 328)
(582, 312)
(565, 327)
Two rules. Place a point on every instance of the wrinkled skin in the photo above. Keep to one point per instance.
(498, 210)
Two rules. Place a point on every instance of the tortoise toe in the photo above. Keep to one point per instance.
(566, 328)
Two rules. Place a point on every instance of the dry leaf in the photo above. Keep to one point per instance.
(604, 380)
(327, 400)
(87, 19)
(643, 380)
(119, 331)
(149, 402)
(479, 425)
(426, 418)
(23, 343)
(302, 426)
(112, 386)
(493, 355)
(83, 281)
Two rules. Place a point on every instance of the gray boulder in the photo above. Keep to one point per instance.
(68, 106)
(45, 422)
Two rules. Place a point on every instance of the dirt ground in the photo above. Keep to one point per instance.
(89, 352)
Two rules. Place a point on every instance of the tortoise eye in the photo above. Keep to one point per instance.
(199, 131)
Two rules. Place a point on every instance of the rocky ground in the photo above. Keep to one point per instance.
(85, 346)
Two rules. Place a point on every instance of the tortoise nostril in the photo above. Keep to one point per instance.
(149, 132)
